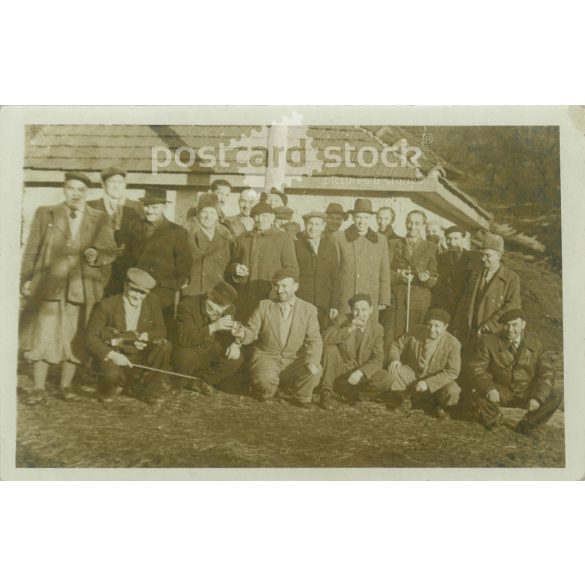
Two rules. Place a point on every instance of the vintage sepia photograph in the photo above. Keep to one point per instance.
(291, 294)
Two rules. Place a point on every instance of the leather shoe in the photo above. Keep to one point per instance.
(325, 400)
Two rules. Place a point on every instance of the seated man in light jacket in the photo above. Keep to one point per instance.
(424, 363)
(288, 347)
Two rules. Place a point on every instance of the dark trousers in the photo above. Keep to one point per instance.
(167, 298)
(206, 362)
(336, 372)
(489, 412)
(141, 383)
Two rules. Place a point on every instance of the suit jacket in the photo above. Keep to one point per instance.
(501, 294)
(423, 258)
(527, 374)
(317, 272)
(263, 253)
(166, 255)
(235, 225)
(56, 268)
(210, 259)
(444, 365)
(362, 272)
(109, 314)
(369, 356)
(454, 272)
(115, 275)
(193, 324)
(304, 340)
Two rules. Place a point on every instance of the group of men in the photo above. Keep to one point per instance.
(351, 314)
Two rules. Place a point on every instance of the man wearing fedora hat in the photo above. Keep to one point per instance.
(318, 263)
(363, 261)
(490, 292)
(258, 255)
(129, 329)
(334, 217)
(62, 278)
(123, 214)
(161, 247)
(510, 368)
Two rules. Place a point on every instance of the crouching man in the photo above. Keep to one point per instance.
(126, 330)
(288, 348)
(424, 364)
(354, 355)
(205, 347)
(510, 369)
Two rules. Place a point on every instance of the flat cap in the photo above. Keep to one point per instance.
(283, 273)
(313, 214)
(438, 315)
(75, 176)
(493, 242)
(223, 294)
(140, 279)
(283, 212)
(360, 297)
(511, 315)
(112, 171)
(261, 207)
(154, 195)
(455, 228)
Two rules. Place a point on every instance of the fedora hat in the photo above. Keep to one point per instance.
(362, 206)
(337, 209)
(154, 195)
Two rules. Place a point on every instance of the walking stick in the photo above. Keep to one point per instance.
(409, 275)
(165, 372)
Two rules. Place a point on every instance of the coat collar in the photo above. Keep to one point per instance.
(351, 234)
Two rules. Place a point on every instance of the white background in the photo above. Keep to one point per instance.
(302, 53)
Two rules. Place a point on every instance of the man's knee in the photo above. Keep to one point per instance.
(265, 377)
(449, 394)
(380, 381)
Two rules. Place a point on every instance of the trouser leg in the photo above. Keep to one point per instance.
(535, 418)
(447, 396)
(333, 367)
(111, 376)
(265, 373)
(148, 385)
(220, 368)
(301, 381)
(376, 387)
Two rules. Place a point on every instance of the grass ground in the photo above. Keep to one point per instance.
(229, 430)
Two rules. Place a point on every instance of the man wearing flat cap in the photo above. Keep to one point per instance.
(287, 345)
(205, 346)
(123, 214)
(318, 264)
(129, 329)
(335, 215)
(353, 355)
(62, 278)
(425, 363)
(161, 247)
(454, 271)
(511, 369)
(363, 261)
(489, 293)
(284, 221)
(258, 255)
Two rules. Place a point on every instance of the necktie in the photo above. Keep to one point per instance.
(359, 335)
(285, 310)
(73, 213)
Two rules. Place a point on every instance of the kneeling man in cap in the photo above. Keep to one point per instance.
(205, 346)
(288, 347)
(510, 369)
(354, 355)
(424, 363)
(126, 330)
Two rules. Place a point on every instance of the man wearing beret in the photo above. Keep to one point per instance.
(318, 264)
(287, 344)
(424, 364)
(258, 255)
(129, 329)
(454, 271)
(363, 261)
(205, 346)
(161, 247)
(411, 258)
(489, 293)
(62, 278)
(353, 355)
(123, 214)
(510, 369)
